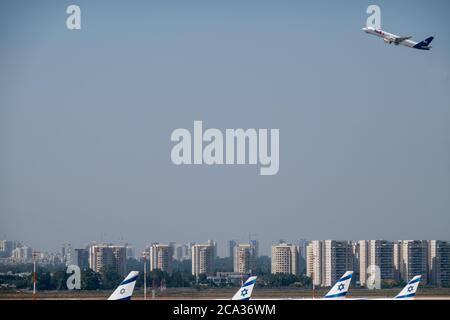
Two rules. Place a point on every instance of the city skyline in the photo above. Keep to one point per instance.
(86, 118)
(322, 261)
(222, 248)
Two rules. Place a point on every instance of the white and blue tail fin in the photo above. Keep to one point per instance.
(245, 292)
(125, 290)
(425, 44)
(340, 289)
(409, 291)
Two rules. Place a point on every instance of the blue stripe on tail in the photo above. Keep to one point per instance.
(424, 44)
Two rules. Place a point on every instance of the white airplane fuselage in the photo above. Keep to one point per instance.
(392, 38)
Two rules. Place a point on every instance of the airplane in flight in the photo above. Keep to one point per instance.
(392, 38)
(125, 289)
(245, 291)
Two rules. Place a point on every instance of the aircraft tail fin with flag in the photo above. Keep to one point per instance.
(245, 292)
(125, 290)
(409, 291)
(340, 289)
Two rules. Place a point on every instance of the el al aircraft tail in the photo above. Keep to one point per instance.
(409, 291)
(125, 290)
(245, 292)
(340, 289)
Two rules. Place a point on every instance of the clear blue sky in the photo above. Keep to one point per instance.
(86, 118)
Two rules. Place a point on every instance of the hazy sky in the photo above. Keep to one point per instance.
(86, 118)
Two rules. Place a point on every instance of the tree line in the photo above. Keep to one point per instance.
(54, 277)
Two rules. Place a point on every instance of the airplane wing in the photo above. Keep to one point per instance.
(401, 39)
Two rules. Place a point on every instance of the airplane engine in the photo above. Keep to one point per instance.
(387, 41)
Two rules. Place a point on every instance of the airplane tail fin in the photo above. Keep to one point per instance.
(340, 289)
(245, 292)
(425, 44)
(409, 291)
(427, 41)
(125, 290)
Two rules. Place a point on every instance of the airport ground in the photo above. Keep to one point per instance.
(224, 293)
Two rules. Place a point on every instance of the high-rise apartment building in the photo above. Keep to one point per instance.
(396, 260)
(203, 258)
(376, 255)
(302, 244)
(6, 247)
(161, 257)
(356, 262)
(244, 258)
(337, 259)
(414, 259)
(22, 254)
(439, 263)
(381, 254)
(66, 254)
(231, 244)
(110, 257)
(285, 258)
(81, 258)
(314, 261)
(255, 245)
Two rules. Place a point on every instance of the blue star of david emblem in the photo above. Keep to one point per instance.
(122, 291)
(410, 288)
(244, 292)
(341, 287)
